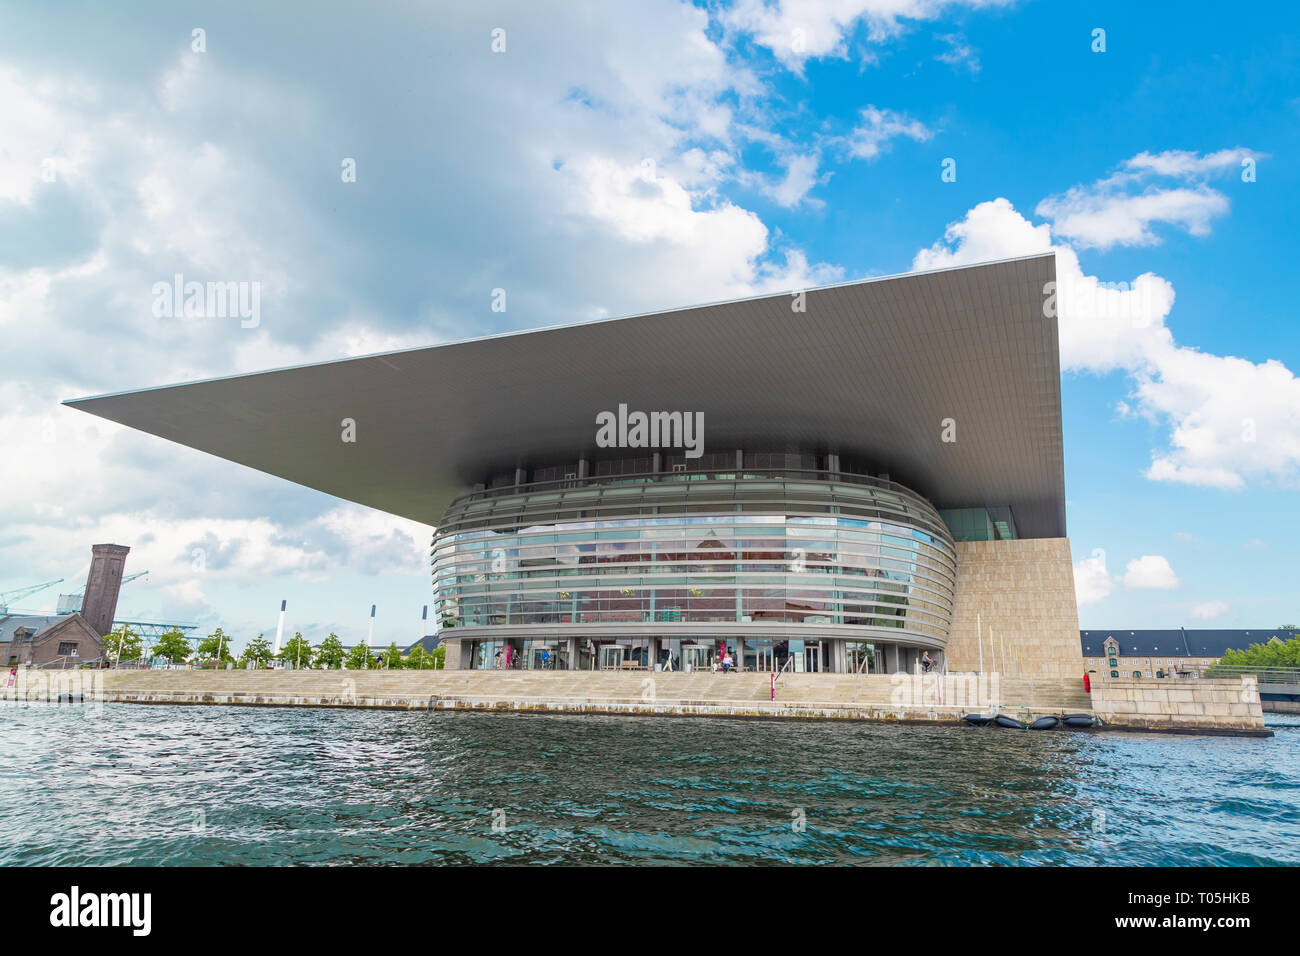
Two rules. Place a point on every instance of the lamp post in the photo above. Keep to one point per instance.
(424, 626)
(370, 636)
(279, 630)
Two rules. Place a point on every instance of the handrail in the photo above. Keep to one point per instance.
(708, 474)
(1266, 674)
(58, 663)
(784, 667)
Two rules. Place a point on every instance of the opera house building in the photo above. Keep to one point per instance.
(839, 479)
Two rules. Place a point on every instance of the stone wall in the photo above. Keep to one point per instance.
(1226, 704)
(452, 662)
(1020, 594)
(1123, 704)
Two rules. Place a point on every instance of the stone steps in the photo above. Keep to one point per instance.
(829, 689)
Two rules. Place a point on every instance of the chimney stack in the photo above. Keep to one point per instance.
(102, 584)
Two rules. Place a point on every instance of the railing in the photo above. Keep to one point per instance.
(1266, 675)
(59, 663)
(709, 474)
(69, 662)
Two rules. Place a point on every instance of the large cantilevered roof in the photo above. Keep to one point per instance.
(869, 370)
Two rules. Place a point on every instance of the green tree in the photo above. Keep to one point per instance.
(258, 651)
(1273, 654)
(123, 644)
(330, 653)
(171, 645)
(392, 658)
(419, 659)
(439, 656)
(359, 658)
(216, 643)
(297, 651)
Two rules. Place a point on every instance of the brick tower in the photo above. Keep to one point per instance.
(102, 585)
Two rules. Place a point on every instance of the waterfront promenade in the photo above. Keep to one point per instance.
(872, 697)
(1212, 706)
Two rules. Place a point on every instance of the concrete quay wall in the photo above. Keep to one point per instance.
(1229, 704)
(1219, 706)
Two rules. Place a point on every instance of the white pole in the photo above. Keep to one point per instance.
(279, 629)
(370, 635)
(424, 625)
(993, 652)
(979, 639)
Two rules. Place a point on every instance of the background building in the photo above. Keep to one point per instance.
(1169, 652)
(881, 476)
(70, 639)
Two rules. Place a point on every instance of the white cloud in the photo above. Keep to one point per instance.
(959, 52)
(1092, 582)
(1186, 164)
(798, 30)
(1230, 421)
(605, 202)
(694, 253)
(872, 136)
(39, 133)
(1209, 609)
(1103, 326)
(800, 177)
(1151, 571)
(1104, 220)
(1106, 213)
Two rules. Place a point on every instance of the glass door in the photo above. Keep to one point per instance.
(861, 657)
(695, 657)
(813, 658)
(611, 656)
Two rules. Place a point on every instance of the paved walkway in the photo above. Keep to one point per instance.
(878, 697)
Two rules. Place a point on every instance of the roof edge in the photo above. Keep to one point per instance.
(75, 402)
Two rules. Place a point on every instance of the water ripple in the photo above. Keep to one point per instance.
(158, 785)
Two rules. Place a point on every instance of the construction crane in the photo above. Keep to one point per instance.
(71, 602)
(7, 596)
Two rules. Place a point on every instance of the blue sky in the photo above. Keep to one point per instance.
(614, 160)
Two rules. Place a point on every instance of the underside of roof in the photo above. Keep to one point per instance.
(881, 371)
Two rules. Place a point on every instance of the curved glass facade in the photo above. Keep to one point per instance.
(822, 555)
